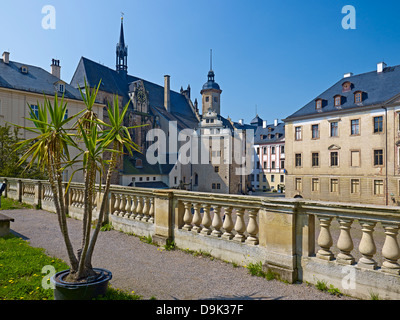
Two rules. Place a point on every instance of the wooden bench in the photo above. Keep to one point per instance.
(5, 225)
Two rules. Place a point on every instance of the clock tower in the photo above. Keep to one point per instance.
(211, 93)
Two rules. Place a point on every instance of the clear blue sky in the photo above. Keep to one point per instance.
(278, 55)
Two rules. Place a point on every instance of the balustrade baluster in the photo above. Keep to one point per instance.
(133, 207)
(325, 239)
(139, 209)
(240, 226)
(367, 246)
(116, 205)
(127, 206)
(228, 224)
(217, 222)
(146, 208)
(206, 222)
(151, 211)
(196, 218)
(345, 242)
(252, 227)
(390, 250)
(187, 217)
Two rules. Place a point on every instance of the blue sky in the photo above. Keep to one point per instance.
(276, 55)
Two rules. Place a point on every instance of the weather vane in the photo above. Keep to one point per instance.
(122, 15)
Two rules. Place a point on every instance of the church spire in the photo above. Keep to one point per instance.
(122, 52)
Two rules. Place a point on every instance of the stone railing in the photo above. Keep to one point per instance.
(353, 247)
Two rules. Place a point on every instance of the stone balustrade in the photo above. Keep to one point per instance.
(294, 238)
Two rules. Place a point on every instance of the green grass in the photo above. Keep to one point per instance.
(21, 273)
(255, 269)
(10, 204)
(21, 270)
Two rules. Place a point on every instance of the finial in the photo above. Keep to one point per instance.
(210, 59)
(122, 16)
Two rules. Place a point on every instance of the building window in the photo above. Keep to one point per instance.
(216, 169)
(334, 129)
(315, 159)
(378, 187)
(273, 165)
(272, 178)
(355, 186)
(297, 136)
(218, 186)
(378, 124)
(315, 131)
(265, 150)
(318, 104)
(282, 164)
(355, 158)
(175, 180)
(338, 101)
(282, 178)
(35, 110)
(298, 185)
(272, 150)
(265, 164)
(298, 159)
(282, 149)
(378, 157)
(355, 127)
(358, 97)
(315, 184)
(334, 158)
(213, 186)
(264, 178)
(334, 185)
(207, 99)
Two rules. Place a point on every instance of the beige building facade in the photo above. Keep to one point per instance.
(347, 149)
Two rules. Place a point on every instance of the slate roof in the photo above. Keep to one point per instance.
(261, 134)
(115, 83)
(37, 80)
(377, 89)
(129, 166)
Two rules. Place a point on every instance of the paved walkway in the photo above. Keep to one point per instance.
(151, 272)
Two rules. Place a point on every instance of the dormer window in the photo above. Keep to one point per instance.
(61, 88)
(138, 163)
(24, 69)
(337, 100)
(346, 86)
(358, 97)
(318, 104)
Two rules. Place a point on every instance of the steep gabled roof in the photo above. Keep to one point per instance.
(377, 88)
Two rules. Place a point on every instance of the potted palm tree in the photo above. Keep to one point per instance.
(54, 135)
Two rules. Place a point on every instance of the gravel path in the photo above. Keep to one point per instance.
(152, 272)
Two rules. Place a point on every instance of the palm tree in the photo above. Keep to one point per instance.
(49, 149)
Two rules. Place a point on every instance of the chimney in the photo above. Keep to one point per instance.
(264, 124)
(55, 68)
(276, 122)
(6, 57)
(348, 75)
(167, 93)
(381, 66)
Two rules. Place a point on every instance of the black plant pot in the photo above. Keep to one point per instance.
(80, 291)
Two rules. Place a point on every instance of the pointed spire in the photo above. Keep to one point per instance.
(122, 51)
(121, 34)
